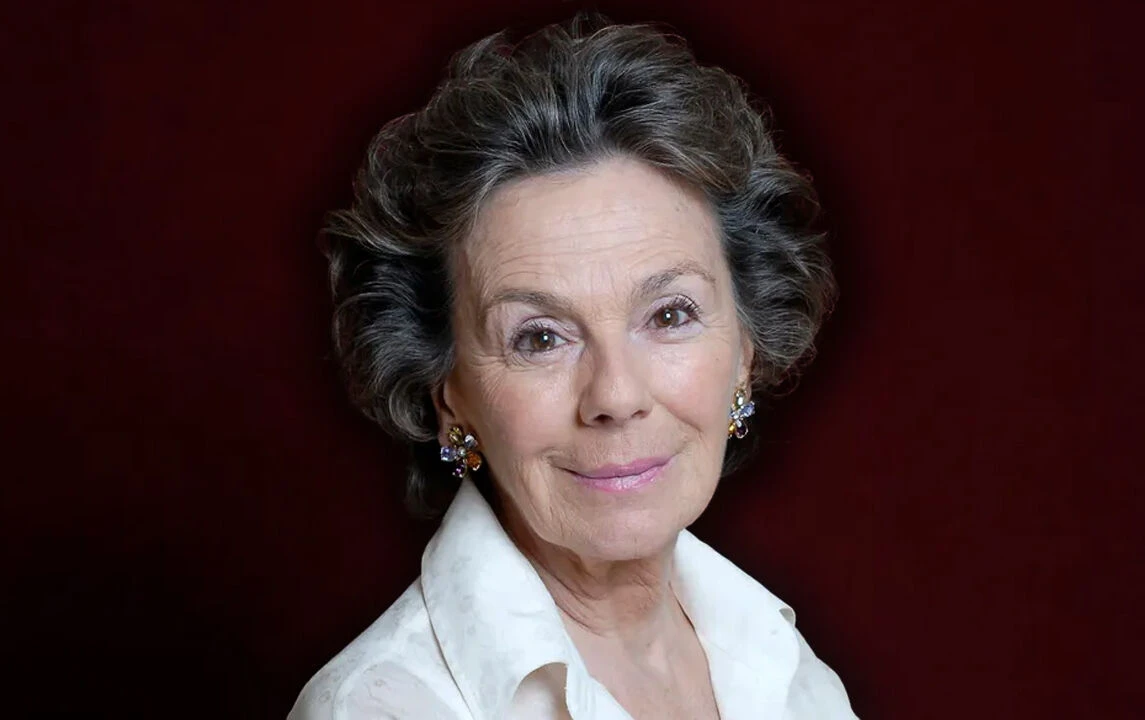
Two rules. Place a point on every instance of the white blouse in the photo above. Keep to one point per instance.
(478, 636)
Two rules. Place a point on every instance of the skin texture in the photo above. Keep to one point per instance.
(595, 325)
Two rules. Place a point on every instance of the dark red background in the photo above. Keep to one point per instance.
(196, 520)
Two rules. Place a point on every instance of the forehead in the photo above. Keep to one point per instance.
(609, 221)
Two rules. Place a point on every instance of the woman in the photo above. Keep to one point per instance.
(564, 277)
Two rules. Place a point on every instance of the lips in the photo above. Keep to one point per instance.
(624, 477)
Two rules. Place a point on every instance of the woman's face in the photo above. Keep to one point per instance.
(598, 352)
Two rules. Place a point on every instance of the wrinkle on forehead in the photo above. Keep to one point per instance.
(586, 233)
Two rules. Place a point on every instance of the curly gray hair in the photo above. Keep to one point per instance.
(566, 96)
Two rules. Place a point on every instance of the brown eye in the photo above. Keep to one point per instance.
(542, 341)
(669, 317)
(537, 340)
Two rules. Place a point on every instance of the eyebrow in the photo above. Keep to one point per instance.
(657, 282)
(649, 286)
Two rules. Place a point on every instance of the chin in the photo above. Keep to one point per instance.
(641, 524)
(630, 534)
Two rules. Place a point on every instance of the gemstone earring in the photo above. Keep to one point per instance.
(742, 409)
(462, 450)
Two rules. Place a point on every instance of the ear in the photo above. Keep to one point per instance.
(746, 358)
(445, 404)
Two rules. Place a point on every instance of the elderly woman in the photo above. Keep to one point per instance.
(565, 277)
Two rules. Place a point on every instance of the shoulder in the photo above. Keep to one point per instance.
(394, 669)
(816, 690)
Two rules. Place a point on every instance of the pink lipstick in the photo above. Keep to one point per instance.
(622, 478)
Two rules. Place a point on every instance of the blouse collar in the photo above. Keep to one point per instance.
(496, 622)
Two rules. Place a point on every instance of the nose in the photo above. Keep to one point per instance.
(616, 387)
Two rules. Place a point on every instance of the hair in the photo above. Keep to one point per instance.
(565, 97)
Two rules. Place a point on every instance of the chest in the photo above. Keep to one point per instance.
(692, 702)
(681, 687)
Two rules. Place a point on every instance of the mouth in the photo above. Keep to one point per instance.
(622, 478)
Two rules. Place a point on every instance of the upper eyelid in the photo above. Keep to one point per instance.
(539, 323)
(538, 301)
(548, 322)
(679, 301)
(549, 302)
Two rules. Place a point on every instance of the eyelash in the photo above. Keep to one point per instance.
(536, 327)
(532, 329)
(680, 302)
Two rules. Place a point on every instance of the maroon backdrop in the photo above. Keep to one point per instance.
(195, 519)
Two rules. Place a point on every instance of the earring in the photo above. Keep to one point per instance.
(462, 450)
(742, 409)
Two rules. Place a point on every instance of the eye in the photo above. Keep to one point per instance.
(537, 340)
(677, 313)
(669, 317)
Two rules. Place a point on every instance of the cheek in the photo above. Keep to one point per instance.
(693, 382)
(523, 414)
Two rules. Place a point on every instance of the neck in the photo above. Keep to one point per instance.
(628, 604)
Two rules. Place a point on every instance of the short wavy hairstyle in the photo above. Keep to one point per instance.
(564, 97)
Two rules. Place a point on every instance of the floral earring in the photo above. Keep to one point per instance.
(462, 450)
(742, 409)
